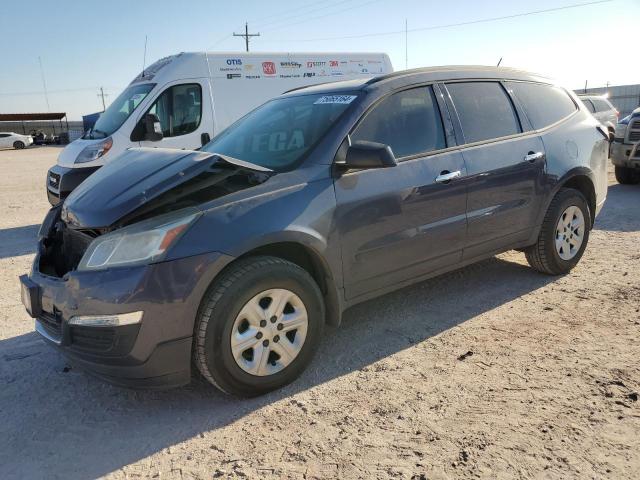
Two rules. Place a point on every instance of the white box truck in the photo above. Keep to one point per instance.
(184, 100)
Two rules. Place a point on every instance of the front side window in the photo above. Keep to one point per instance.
(179, 109)
(408, 121)
(278, 134)
(543, 104)
(484, 109)
(122, 107)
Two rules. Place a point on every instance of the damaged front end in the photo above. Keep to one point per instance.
(61, 248)
(146, 196)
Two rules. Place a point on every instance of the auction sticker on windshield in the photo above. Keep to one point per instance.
(335, 99)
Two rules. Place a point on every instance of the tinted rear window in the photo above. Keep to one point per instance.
(589, 105)
(543, 104)
(408, 121)
(601, 105)
(484, 109)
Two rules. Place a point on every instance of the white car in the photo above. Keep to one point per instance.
(14, 140)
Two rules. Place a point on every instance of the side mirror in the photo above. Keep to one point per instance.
(363, 154)
(152, 128)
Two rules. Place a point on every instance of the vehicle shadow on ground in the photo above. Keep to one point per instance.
(60, 423)
(615, 217)
(18, 241)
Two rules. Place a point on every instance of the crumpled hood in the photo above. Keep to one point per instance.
(139, 176)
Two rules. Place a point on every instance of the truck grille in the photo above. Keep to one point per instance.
(634, 131)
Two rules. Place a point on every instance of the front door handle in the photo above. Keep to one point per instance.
(446, 176)
(533, 156)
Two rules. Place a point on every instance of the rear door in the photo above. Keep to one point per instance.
(505, 163)
(399, 223)
(5, 139)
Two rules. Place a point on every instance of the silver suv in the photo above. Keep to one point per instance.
(602, 109)
(625, 149)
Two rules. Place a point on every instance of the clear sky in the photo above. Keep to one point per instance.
(85, 45)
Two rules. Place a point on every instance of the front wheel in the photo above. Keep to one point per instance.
(563, 236)
(258, 326)
(627, 176)
(18, 145)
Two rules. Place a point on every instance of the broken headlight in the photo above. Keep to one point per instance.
(140, 243)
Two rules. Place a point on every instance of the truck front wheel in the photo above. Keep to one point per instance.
(627, 176)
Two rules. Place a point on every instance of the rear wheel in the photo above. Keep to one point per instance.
(18, 145)
(627, 176)
(258, 326)
(563, 236)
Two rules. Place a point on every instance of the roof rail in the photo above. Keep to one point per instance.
(306, 86)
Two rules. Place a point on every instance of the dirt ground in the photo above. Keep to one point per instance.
(493, 371)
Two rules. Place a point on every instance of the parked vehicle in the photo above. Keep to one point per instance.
(625, 153)
(15, 140)
(182, 101)
(235, 256)
(601, 108)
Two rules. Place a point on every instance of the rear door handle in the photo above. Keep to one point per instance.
(446, 176)
(533, 156)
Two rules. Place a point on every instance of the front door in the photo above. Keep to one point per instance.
(184, 115)
(397, 224)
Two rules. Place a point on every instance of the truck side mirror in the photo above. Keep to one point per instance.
(152, 128)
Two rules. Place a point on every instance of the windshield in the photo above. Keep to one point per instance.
(122, 107)
(278, 134)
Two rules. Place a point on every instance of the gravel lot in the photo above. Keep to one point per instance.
(493, 371)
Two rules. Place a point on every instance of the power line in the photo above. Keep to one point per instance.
(326, 15)
(230, 35)
(307, 11)
(66, 90)
(449, 25)
(332, 3)
(291, 10)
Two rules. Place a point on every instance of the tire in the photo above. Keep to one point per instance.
(544, 255)
(219, 318)
(627, 176)
(18, 145)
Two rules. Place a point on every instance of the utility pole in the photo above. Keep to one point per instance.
(585, 86)
(44, 84)
(102, 94)
(246, 35)
(406, 45)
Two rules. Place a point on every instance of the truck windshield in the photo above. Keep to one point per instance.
(121, 108)
(278, 134)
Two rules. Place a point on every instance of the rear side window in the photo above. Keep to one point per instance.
(179, 109)
(543, 104)
(5, 135)
(484, 109)
(408, 121)
(601, 105)
(588, 104)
